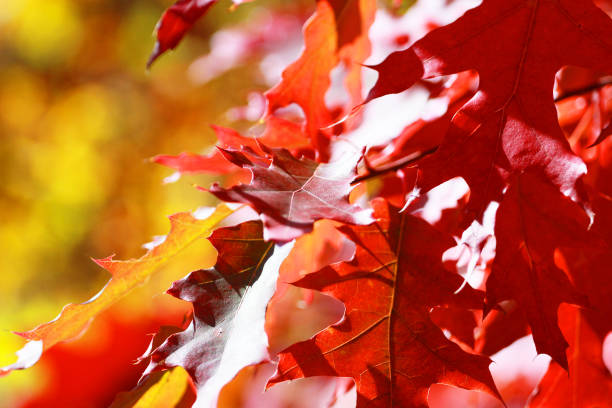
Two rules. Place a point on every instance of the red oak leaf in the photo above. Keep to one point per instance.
(589, 125)
(510, 125)
(353, 20)
(386, 340)
(283, 133)
(322, 247)
(169, 389)
(214, 163)
(532, 221)
(459, 322)
(311, 71)
(501, 328)
(335, 25)
(599, 162)
(176, 21)
(278, 133)
(425, 134)
(347, 11)
(589, 383)
(589, 267)
(229, 302)
(292, 194)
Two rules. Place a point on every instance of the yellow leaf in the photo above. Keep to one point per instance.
(168, 389)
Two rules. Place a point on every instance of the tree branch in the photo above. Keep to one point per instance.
(406, 161)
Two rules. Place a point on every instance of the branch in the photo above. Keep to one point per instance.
(406, 161)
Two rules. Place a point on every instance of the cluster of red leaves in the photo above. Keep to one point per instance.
(541, 161)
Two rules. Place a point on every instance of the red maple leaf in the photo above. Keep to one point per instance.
(386, 340)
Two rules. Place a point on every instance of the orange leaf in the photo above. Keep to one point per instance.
(126, 275)
(386, 340)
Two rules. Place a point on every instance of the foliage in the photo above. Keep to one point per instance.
(445, 241)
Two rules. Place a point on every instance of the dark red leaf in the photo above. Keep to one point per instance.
(292, 194)
(510, 125)
(175, 22)
(532, 221)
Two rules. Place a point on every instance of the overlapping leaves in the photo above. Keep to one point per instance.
(126, 275)
(292, 194)
(504, 140)
(396, 276)
(510, 125)
(229, 307)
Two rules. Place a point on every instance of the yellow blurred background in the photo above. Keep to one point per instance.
(79, 118)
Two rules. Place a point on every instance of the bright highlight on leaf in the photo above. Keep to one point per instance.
(230, 300)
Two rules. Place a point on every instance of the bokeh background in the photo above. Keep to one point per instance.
(79, 119)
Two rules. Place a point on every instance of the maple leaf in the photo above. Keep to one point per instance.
(291, 194)
(510, 125)
(386, 341)
(176, 21)
(532, 221)
(229, 302)
(126, 275)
